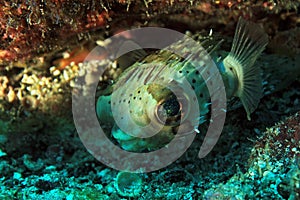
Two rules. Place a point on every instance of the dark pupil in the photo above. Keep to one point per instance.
(171, 106)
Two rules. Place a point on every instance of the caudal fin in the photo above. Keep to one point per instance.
(248, 43)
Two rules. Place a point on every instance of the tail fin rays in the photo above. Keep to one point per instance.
(248, 43)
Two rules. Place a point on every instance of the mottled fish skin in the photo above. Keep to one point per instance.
(151, 93)
(146, 89)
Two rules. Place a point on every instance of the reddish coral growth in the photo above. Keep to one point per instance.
(281, 141)
(35, 27)
(290, 134)
(31, 28)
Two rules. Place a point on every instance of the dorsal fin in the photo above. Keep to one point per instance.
(248, 43)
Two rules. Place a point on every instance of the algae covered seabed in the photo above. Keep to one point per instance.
(41, 155)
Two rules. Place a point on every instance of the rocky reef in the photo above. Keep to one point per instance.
(42, 47)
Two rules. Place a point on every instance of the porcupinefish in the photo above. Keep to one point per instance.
(153, 101)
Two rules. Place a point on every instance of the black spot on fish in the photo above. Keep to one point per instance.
(201, 95)
(194, 80)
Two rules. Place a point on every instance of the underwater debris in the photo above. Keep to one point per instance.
(128, 184)
(33, 165)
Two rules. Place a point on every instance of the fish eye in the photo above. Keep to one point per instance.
(168, 111)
